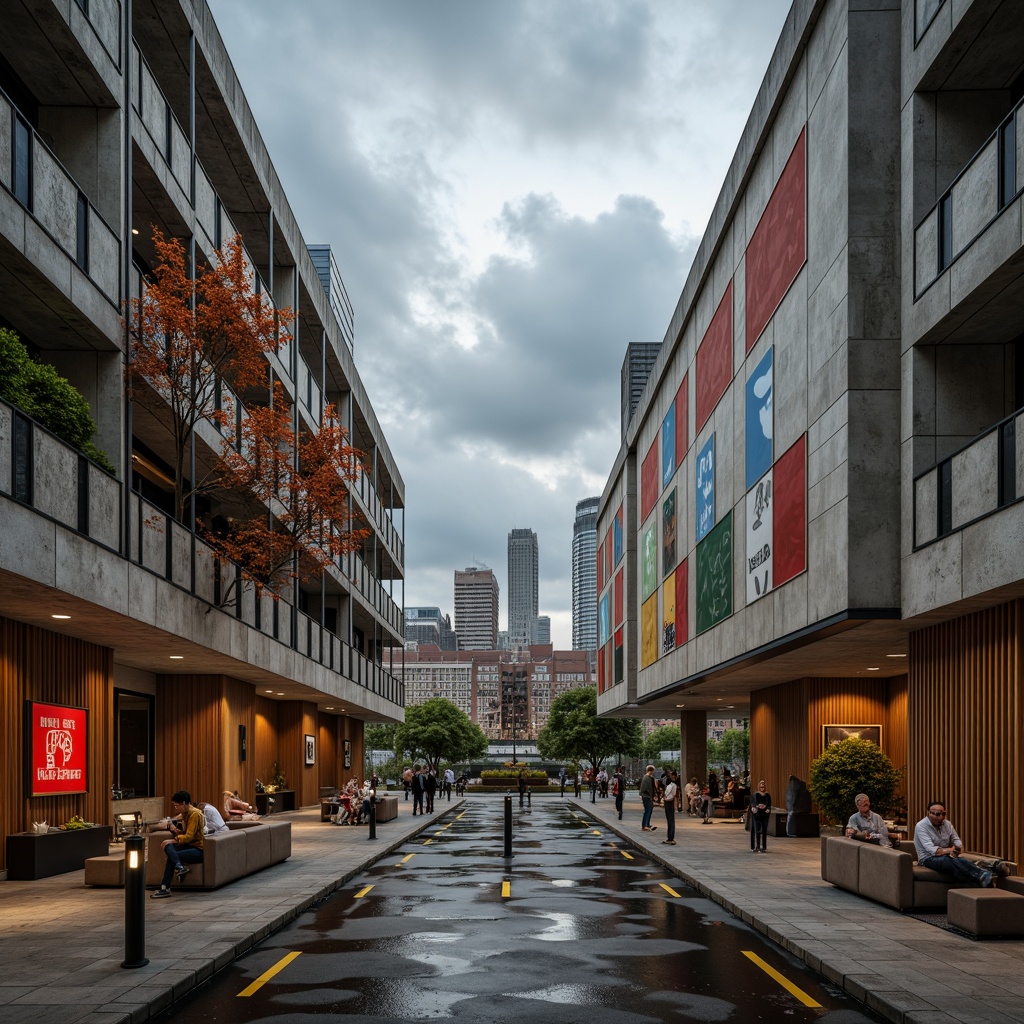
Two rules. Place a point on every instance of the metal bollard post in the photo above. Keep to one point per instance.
(373, 820)
(508, 826)
(134, 902)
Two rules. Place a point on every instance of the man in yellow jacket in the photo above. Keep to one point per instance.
(187, 845)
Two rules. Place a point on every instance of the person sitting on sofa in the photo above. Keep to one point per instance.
(940, 848)
(187, 845)
(214, 823)
(866, 824)
(236, 809)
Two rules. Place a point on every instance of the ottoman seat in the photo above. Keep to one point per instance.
(986, 911)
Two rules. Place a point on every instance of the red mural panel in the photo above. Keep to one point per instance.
(617, 661)
(649, 481)
(682, 618)
(600, 568)
(618, 599)
(600, 670)
(714, 359)
(682, 421)
(789, 558)
(609, 561)
(778, 247)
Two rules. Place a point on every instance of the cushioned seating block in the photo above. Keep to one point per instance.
(108, 870)
(986, 911)
(840, 862)
(257, 848)
(387, 808)
(886, 875)
(280, 840)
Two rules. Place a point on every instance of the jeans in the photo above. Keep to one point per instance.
(670, 819)
(176, 856)
(593, 792)
(958, 867)
(648, 809)
(417, 801)
(618, 804)
(758, 832)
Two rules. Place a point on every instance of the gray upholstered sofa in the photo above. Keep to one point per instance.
(246, 847)
(891, 876)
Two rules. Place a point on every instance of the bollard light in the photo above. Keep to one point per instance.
(508, 825)
(135, 902)
(373, 818)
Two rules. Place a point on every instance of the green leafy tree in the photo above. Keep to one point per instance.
(42, 393)
(437, 730)
(850, 767)
(380, 737)
(665, 737)
(733, 749)
(574, 732)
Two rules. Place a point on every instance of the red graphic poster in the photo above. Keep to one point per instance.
(714, 359)
(57, 744)
(649, 481)
(682, 421)
(790, 487)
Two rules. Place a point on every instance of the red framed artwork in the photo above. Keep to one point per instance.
(57, 749)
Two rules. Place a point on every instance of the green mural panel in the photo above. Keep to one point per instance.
(649, 561)
(714, 576)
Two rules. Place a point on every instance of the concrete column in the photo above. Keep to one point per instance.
(693, 745)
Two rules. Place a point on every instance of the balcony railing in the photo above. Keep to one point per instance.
(31, 172)
(984, 476)
(43, 473)
(980, 192)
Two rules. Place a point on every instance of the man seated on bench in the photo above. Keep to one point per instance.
(867, 824)
(939, 848)
(187, 845)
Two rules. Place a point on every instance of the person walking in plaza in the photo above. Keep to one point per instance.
(619, 789)
(669, 797)
(577, 783)
(449, 781)
(186, 846)
(430, 782)
(561, 779)
(407, 781)
(940, 848)
(419, 789)
(760, 808)
(647, 785)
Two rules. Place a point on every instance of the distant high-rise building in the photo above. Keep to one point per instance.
(334, 286)
(542, 629)
(636, 368)
(426, 625)
(584, 576)
(476, 609)
(523, 573)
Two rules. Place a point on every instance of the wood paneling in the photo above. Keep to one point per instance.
(36, 664)
(786, 723)
(964, 727)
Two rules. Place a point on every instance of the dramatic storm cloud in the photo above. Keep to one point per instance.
(513, 192)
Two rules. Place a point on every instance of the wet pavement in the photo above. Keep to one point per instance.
(578, 926)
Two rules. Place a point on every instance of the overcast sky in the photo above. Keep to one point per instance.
(513, 191)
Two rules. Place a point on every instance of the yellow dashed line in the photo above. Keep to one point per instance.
(408, 857)
(783, 981)
(362, 892)
(595, 832)
(628, 856)
(427, 842)
(267, 975)
(457, 816)
(506, 890)
(669, 890)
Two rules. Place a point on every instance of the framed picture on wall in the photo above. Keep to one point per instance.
(836, 733)
(310, 749)
(346, 753)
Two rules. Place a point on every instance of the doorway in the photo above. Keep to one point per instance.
(133, 743)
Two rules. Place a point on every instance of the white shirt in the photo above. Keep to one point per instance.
(928, 838)
(872, 824)
(449, 775)
(670, 791)
(214, 822)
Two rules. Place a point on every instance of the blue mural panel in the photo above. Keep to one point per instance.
(668, 446)
(705, 489)
(759, 420)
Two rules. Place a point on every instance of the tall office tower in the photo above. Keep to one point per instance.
(523, 571)
(542, 629)
(337, 295)
(584, 576)
(426, 625)
(636, 368)
(476, 609)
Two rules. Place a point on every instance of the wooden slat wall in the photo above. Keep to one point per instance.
(965, 727)
(264, 750)
(297, 719)
(36, 664)
(238, 707)
(786, 723)
(328, 754)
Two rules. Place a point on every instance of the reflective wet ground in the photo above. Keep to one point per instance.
(576, 927)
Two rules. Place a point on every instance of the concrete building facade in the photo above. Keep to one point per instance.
(476, 609)
(427, 625)
(116, 622)
(584, 575)
(816, 507)
(523, 586)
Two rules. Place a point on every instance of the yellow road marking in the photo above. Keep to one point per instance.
(362, 892)
(408, 857)
(267, 975)
(783, 981)
(628, 856)
(427, 842)
(669, 890)
(595, 832)
(506, 890)
(457, 816)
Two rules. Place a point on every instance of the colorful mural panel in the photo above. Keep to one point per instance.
(778, 247)
(617, 537)
(760, 539)
(617, 605)
(714, 575)
(617, 659)
(714, 359)
(668, 615)
(668, 532)
(682, 404)
(668, 446)
(682, 577)
(790, 494)
(704, 474)
(649, 481)
(649, 561)
(603, 621)
(759, 418)
(649, 632)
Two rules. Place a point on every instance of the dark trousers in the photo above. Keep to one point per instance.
(670, 819)
(958, 867)
(417, 801)
(618, 804)
(176, 856)
(758, 832)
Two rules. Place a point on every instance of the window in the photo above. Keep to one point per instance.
(21, 162)
(1007, 162)
(945, 502)
(945, 231)
(82, 235)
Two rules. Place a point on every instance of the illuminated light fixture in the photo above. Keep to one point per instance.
(895, 655)
(133, 859)
(280, 693)
(135, 231)
(268, 691)
(680, 705)
(176, 657)
(60, 616)
(328, 709)
(873, 668)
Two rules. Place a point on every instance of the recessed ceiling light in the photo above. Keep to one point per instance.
(328, 709)
(176, 657)
(280, 693)
(268, 691)
(680, 705)
(873, 668)
(135, 231)
(895, 655)
(60, 616)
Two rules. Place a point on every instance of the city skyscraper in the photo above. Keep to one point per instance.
(584, 576)
(476, 609)
(542, 630)
(636, 368)
(523, 572)
(427, 625)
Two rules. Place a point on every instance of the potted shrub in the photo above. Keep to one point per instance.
(850, 767)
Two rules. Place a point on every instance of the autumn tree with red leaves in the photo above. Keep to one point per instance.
(280, 493)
